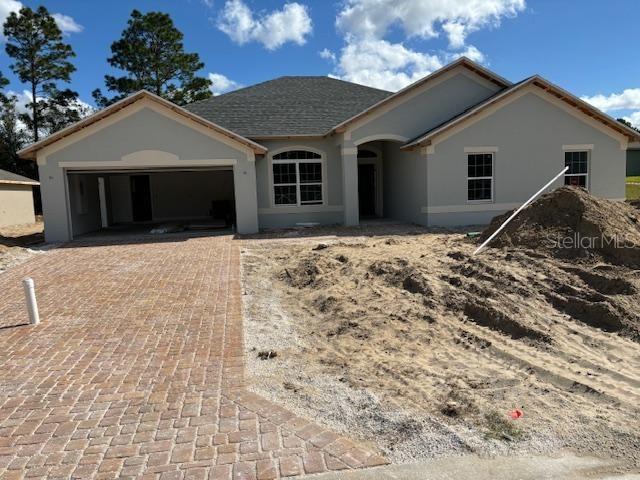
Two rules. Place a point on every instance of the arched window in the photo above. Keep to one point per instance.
(297, 178)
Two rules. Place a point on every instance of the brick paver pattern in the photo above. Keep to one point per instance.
(137, 370)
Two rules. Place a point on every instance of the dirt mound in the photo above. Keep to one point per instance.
(570, 223)
(430, 329)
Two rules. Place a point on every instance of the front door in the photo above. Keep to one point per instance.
(140, 198)
(367, 189)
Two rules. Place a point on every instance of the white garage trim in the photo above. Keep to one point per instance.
(149, 163)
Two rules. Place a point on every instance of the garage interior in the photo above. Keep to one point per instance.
(151, 201)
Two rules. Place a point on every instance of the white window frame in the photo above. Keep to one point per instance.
(297, 162)
(492, 177)
(579, 148)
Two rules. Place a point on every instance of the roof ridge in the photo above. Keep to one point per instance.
(328, 77)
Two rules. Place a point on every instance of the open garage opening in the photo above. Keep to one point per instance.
(151, 201)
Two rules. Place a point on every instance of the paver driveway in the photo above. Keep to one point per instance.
(137, 370)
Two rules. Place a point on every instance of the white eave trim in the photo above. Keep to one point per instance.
(19, 182)
(71, 133)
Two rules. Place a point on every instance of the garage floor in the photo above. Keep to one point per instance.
(137, 369)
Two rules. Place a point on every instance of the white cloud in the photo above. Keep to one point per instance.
(8, 6)
(24, 98)
(67, 24)
(471, 52)
(381, 64)
(327, 54)
(290, 24)
(369, 58)
(628, 99)
(222, 84)
(425, 18)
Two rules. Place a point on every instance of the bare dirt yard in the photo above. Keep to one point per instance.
(18, 243)
(399, 336)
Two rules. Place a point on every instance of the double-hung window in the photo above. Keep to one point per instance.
(480, 177)
(578, 163)
(297, 178)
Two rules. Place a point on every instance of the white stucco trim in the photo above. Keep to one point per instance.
(291, 209)
(270, 161)
(67, 205)
(349, 151)
(381, 136)
(148, 161)
(428, 150)
(480, 149)
(582, 147)
(470, 208)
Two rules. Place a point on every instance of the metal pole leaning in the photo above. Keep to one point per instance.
(535, 195)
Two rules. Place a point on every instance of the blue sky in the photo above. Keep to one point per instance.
(587, 46)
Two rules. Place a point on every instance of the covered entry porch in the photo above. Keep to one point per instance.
(387, 180)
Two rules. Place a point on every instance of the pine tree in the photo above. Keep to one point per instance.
(12, 135)
(151, 53)
(40, 60)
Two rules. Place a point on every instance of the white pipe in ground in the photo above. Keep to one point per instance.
(30, 296)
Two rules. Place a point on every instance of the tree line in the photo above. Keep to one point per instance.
(149, 55)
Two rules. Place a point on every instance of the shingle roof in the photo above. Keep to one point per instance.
(9, 177)
(288, 106)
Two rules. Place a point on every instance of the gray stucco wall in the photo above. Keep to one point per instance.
(428, 109)
(120, 197)
(271, 216)
(529, 133)
(144, 130)
(16, 204)
(403, 183)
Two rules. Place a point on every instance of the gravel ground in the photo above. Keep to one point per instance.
(18, 243)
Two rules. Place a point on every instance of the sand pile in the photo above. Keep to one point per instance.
(570, 223)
